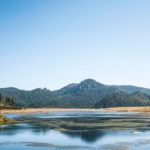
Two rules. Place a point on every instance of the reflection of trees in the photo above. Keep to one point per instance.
(89, 129)
(87, 136)
(80, 128)
(10, 130)
(37, 129)
(17, 129)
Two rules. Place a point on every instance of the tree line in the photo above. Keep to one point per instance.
(7, 101)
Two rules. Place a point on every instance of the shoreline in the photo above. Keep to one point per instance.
(38, 110)
(4, 120)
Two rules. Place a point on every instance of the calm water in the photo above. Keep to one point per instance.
(78, 131)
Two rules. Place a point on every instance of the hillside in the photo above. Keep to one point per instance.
(121, 99)
(89, 93)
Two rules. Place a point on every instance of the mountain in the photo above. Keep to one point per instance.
(35, 98)
(86, 94)
(124, 99)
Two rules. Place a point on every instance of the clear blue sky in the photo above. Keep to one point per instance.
(50, 43)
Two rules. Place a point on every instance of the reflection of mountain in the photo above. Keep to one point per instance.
(90, 136)
(89, 129)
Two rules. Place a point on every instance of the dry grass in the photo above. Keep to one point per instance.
(37, 110)
(128, 109)
(115, 109)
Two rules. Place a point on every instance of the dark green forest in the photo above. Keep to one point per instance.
(87, 94)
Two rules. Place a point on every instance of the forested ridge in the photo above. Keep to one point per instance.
(86, 94)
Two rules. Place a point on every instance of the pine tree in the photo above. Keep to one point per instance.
(1, 100)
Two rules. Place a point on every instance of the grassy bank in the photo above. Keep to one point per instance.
(4, 120)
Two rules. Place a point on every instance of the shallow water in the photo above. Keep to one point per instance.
(77, 130)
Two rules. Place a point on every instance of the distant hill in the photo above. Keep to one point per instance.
(87, 94)
(132, 89)
(124, 99)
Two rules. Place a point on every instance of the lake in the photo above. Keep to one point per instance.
(77, 131)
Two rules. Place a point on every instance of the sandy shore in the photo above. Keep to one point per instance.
(37, 110)
(115, 109)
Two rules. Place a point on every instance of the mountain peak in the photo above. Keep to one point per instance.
(90, 84)
(90, 81)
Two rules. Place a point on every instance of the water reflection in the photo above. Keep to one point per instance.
(91, 129)
(87, 136)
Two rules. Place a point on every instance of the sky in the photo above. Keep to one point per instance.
(51, 43)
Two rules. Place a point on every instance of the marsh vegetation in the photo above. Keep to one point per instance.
(4, 120)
